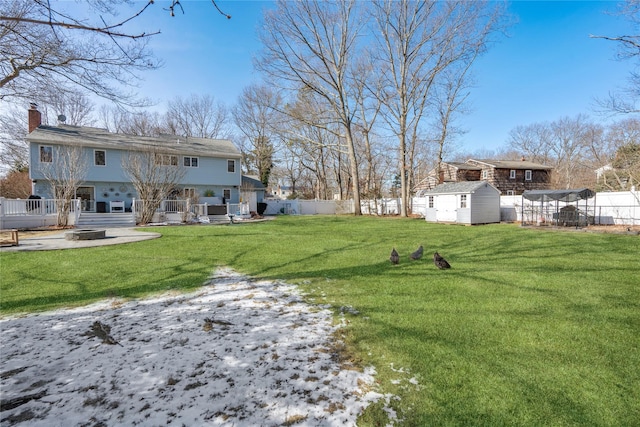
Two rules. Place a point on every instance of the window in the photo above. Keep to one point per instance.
(166, 160)
(463, 201)
(485, 174)
(512, 174)
(527, 175)
(430, 202)
(189, 193)
(511, 193)
(190, 162)
(231, 166)
(46, 154)
(99, 157)
(226, 194)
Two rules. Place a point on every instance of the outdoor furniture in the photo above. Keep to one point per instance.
(117, 206)
(13, 240)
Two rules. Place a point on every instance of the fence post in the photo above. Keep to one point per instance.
(76, 212)
(2, 199)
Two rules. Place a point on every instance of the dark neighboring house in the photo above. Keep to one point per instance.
(510, 177)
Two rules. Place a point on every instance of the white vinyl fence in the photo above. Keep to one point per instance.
(606, 208)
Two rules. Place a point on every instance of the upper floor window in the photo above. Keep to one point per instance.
(431, 202)
(512, 174)
(99, 157)
(190, 162)
(46, 154)
(463, 201)
(231, 165)
(485, 174)
(166, 160)
(527, 175)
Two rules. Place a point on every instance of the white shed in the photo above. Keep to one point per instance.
(466, 202)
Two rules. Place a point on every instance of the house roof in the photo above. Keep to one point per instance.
(512, 164)
(465, 166)
(252, 183)
(460, 187)
(101, 138)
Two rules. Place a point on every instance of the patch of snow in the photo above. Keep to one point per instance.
(236, 352)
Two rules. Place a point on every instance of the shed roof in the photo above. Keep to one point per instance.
(561, 195)
(459, 187)
(101, 138)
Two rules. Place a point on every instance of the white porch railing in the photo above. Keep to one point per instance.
(31, 213)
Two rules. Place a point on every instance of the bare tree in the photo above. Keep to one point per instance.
(46, 47)
(154, 174)
(255, 116)
(533, 142)
(450, 95)
(65, 172)
(14, 150)
(417, 42)
(71, 107)
(140, 123)
(569, 147)
(199, 116)
(620, 160)
(568, 144)
(51, 45)
(311, 44)
(624, 100)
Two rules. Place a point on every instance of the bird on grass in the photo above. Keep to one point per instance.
(417, 254)
(395, 258)
(440, 262)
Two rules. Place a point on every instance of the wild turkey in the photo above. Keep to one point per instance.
(440, 262)
(395, 258)
(417, 254)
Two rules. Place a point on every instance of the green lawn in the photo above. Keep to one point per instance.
(529, 327)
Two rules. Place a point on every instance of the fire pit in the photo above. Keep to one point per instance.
(84, 235)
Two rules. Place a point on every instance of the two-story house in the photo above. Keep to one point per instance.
(209, 166)
(510, 177)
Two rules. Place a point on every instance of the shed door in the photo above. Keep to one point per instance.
(447, 208)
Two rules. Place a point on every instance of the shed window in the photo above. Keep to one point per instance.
(431, 202)
(46, 154)
(99, 157)
(485, 174)
(527, 175)
(231, 166)
(463, 201)
(512, 174)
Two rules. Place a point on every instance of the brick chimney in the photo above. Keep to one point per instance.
(35, 118)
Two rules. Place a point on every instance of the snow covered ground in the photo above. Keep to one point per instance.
(237, 352)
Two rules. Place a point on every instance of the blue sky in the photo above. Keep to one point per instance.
(546, 68)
